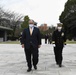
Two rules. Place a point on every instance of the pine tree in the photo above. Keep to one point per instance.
(68, 18)
(25, 23)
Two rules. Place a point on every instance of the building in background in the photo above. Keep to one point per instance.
(3, 33)
(43, 27)
(4, 29)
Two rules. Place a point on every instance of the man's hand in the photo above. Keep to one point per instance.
(39, 46)
(53, 45)
(64, 43)
(22, 45)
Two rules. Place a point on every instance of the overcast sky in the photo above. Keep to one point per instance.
(42, 11)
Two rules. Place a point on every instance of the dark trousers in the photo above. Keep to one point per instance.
(49, 41)
(31, 53)
(45, 41)
(58, 54)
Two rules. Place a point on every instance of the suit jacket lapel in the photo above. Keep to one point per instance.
(28, 31)
(33, 30)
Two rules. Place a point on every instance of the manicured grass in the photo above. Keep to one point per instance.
(10, 42)
(71, 42)
(17, 42)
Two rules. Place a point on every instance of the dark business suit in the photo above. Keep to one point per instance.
(46, 37)
(31, 43)
(59, 38)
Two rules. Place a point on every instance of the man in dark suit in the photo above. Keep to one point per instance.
(31, 41)
(46, 38)
(58, 40)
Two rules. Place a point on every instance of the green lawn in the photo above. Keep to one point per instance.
(17, 42)
(71, 42)
(10, 42)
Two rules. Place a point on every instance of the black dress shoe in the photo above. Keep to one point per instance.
(60, 65)
(29, 70)
(57, 64)
(35, 67)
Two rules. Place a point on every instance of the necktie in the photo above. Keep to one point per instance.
(31, 30)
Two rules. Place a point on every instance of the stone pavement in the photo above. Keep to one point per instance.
(12, 61)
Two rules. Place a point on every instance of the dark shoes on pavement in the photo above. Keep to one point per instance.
(60, 65)
(29, 69)
(35, 67)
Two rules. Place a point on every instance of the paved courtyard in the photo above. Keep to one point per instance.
(12, 60)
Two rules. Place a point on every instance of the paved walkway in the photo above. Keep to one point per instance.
(12, 61)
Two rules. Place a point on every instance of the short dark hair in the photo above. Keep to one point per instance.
(35, 23)
(31, 20)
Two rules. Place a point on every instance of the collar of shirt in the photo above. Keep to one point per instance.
(32, 28)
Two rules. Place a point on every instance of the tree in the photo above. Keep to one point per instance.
(25, 22)
(49, 31)
(11, 20)
(1, 12)
(14, 21)
(68, 18)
